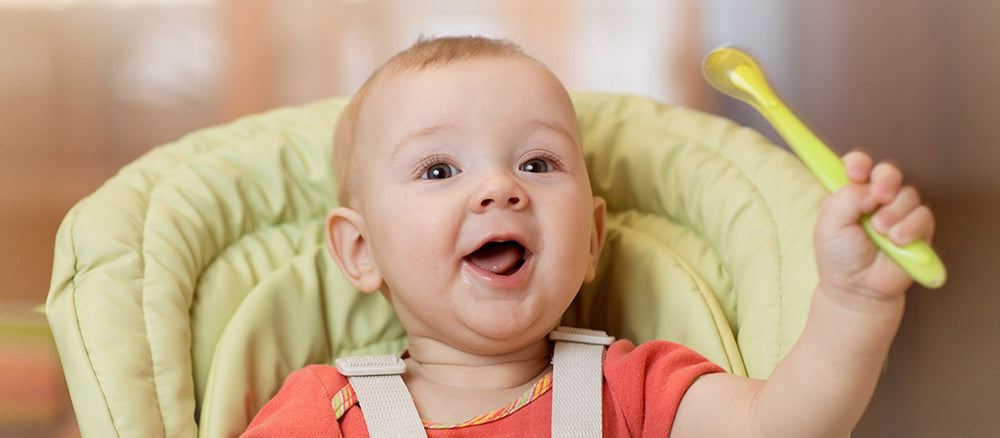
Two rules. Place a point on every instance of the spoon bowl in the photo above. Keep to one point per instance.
(737, 75)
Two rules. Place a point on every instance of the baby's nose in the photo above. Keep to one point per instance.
(499, 192)
(513, 200)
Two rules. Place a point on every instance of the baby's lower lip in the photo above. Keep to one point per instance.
(510, 281)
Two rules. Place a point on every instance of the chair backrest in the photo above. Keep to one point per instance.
(187, 287)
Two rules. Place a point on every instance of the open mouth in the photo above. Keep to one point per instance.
(499, 258)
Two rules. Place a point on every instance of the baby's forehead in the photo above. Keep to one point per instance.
(396, 79)
(416, 86)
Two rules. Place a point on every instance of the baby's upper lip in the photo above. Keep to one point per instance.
(501, 237)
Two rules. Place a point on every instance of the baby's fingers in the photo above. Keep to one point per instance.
(918, 224)
(886, 182)
(858, 166)
(896, 210)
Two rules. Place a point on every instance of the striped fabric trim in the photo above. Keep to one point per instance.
(540, 387)
(343, 400)
(346, 398)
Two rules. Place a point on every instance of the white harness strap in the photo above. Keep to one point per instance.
(577, 379)
(384, 400)
(577, 376)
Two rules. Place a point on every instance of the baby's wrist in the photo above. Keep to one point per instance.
(855, 324)
(860, 299)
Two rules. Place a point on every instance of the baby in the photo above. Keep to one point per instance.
(466, 202)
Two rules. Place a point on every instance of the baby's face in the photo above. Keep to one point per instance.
(479, 213)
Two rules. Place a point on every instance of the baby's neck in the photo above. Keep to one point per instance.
(439, 364)
(450, 386)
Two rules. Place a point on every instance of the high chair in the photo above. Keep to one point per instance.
(189, 285)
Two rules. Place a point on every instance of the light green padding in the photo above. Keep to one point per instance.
(187, 287)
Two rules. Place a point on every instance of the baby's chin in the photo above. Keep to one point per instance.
(493, 336)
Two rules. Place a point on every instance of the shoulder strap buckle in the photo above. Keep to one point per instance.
(383, 365)
(581, 336)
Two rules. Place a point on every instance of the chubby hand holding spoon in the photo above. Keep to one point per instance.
(737, 75)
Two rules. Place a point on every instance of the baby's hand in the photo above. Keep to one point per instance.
(848, 261)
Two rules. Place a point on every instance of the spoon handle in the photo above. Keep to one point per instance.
(917, 259)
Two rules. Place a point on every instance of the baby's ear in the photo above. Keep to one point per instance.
(346, 242)
(597, 235)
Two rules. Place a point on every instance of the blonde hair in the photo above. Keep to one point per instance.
(425, 53)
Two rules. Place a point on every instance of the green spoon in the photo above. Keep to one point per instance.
(737, 75)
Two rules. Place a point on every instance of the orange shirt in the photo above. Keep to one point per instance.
(643, 387)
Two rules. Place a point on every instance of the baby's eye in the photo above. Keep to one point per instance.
(440, 171)
(535, 165)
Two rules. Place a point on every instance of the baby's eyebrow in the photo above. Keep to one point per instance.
(555, 127)
(422, 132)
(431, 131)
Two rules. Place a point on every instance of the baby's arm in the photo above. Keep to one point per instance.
(823, 386)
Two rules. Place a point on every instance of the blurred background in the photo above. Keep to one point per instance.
(87, 86)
